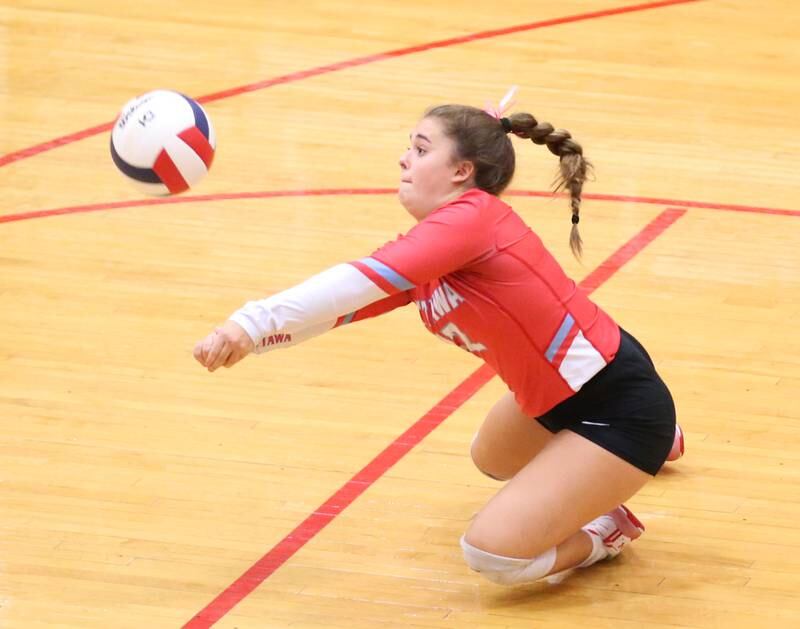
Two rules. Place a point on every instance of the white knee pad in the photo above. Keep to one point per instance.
(508, 570)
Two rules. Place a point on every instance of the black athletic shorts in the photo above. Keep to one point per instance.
(625, 408)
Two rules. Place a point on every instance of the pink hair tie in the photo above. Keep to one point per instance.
(505, 104)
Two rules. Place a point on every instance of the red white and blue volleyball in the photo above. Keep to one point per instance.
(163, 142)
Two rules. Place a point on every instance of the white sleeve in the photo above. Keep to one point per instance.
(311, 306)
(287, 339)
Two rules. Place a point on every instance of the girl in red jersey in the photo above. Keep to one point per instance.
(587, 420)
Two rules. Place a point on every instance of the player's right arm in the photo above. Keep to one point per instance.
(287, 339)
(336, 296)
(443, 242)
(322, 300)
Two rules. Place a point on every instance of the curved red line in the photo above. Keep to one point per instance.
(703, 205)
(52, 144)
(350, 63)
(117, 205)
(270, 194)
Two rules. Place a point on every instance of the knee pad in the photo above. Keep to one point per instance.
(508, 570)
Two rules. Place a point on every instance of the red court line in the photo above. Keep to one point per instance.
(655, 201)
(340, 500)
(321, 192)
(627, 251)
(376, 468)
(351, 63)
(17, 156)
(202, 198)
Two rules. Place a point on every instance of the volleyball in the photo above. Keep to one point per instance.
(163, 142)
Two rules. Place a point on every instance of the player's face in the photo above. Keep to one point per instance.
(429, 174)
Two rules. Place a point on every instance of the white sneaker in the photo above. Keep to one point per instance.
(616, 528)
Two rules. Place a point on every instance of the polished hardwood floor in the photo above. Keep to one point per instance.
(136, 489)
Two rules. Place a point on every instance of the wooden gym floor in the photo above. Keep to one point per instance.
(327, 485)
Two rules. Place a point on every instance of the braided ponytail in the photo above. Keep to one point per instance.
(481, 139)
(573, 166)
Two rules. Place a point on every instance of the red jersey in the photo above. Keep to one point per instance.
(484, 281)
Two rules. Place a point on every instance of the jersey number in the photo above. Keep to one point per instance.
(454, 335)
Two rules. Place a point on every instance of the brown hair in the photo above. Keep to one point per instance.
(482, 140)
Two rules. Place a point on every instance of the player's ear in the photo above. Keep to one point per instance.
(464, 171)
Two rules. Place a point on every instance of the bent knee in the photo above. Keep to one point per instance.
(487, 464)
(507, 570)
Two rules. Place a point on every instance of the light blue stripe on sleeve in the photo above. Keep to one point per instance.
(558, 339)
(390, 275)
(348, 318)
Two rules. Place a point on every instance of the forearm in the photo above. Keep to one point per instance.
(287, 339)
(307, 309)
